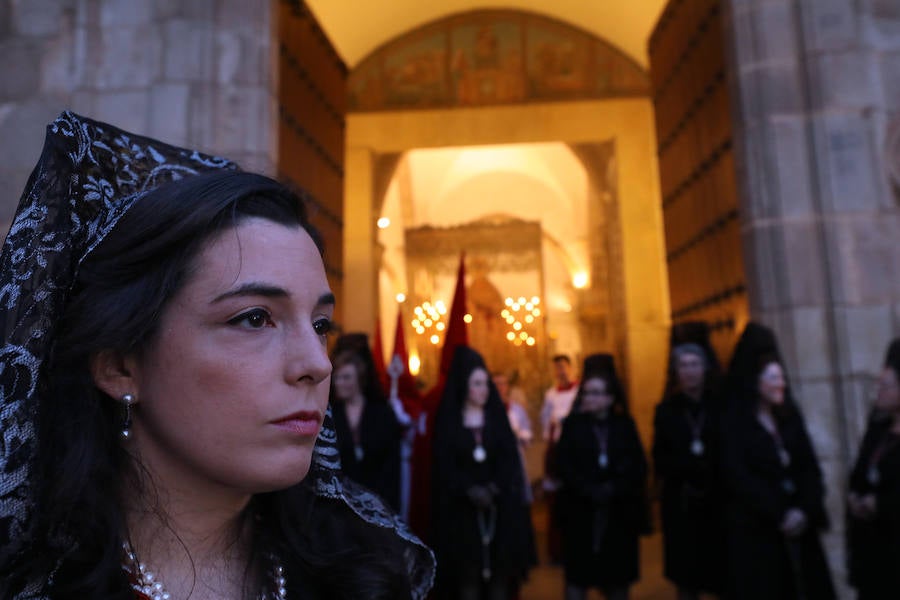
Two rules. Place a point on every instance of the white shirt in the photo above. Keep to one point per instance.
(557, 404)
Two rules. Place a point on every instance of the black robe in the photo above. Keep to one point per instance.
(762, 561)
(456, 537)
(873, 546)
(692, 500)
(602, 511)
(380, 438)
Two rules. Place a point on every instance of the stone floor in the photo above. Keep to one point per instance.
(546, 581)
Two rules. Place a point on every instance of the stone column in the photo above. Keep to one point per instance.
(361, 267)
(814, 87)
(199, 73)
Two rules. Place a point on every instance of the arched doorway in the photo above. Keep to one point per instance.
(592, 98)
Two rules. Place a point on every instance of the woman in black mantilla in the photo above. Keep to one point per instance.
(685, 455)
(602, 503)
(477, 488)
(873, 504)
(774, 509)
(164, 389)
(368, 430)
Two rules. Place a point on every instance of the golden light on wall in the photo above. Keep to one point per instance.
(521, 316)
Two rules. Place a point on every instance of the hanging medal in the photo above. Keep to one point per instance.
(601, 432)
(603, 459)
(696, 425)
(358, 451)
(697, 447)
(479, 453)
(873, 475)
(783, 456)
(789, 487)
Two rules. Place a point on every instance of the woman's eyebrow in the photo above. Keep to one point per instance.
(255, 289)
(326, 300)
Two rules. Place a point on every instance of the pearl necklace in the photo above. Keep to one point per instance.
(146, 583)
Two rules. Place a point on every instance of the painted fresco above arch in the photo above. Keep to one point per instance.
(492, 57)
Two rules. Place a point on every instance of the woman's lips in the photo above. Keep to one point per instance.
(301, 423)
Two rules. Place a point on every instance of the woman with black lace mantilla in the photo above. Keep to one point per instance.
(774, 491)
(686, 441)
(477, 481)
(164, 389)
(603, 500)
(368, 425)
(873, 498)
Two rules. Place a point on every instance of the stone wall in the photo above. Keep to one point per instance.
(198, 73)
(817, 103)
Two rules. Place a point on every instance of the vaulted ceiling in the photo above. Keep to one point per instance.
(357, 28)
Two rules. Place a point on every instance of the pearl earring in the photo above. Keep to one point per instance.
(127, 400)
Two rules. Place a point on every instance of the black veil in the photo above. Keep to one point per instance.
(756, 348)
(603, 366)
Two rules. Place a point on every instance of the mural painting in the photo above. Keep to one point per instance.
(492, 57)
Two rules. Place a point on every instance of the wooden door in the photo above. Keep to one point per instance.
(696, 165)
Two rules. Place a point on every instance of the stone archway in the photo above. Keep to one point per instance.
(509, 77)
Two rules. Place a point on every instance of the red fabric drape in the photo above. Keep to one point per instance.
(457, 330)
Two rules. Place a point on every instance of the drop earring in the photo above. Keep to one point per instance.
(127, 400)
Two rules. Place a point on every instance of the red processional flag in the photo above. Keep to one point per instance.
(457, 335)
(457, 329)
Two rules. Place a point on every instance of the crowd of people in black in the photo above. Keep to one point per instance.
(740, 489)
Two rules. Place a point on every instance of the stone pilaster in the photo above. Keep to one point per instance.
(814, 87)
(199, 73)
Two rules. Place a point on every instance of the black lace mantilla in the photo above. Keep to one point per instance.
(89, 174)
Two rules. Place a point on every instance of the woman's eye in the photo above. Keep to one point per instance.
(253, 319)
(323, 326)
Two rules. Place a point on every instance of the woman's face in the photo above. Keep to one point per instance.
(690, 370)
(478, 388)
(772, 384)
(595, 398)
(346, 382)
(888, 398)
(233, 389)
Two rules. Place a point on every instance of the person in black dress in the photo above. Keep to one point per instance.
(873, 502)
(602, 502)
(685, 457)
(369, 434)
(774, 510)
(478, 511)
